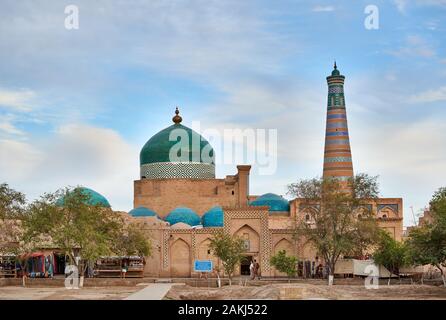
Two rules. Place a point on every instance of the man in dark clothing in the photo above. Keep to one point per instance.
(256, 269)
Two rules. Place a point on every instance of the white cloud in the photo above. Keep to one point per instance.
(440, 3)
(18, 160)
(415, 46)
(400, 5)
(8, 128)
(323, 9)
(432, 95)
(19, 100)
(75, 155)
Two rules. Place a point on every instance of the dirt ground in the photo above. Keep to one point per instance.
(302, 291)
(309, 292)
(61, 293)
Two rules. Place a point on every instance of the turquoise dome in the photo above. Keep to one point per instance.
(142, 212)
(94, 198)
(273, 201)
(158, 147)
(213, 217)
(192, 157)
(183, 214)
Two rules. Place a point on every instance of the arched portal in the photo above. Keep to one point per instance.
(204, 252)
(252, 246)
(180, 264)
(287, 246)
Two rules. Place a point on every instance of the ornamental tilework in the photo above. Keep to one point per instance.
(265, 233)
(394, 207)
(337, 116)
(178, 170)
(335, 89)
(333, 125)
(338, 159)
(337, 141)
(337, 133)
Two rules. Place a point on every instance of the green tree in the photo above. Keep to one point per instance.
(134, 241)
(340, 222)
(229, 249)
(427, 243)
(284, 263)
(391, 254)
(12, 206)
(72, 225)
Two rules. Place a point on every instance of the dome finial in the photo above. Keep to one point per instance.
(335, 66)
(177, 118)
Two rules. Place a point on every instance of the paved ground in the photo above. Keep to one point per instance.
(306, 291)
(61, 293)
(154, 291)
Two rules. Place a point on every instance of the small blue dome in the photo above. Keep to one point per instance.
(273, 201)
(94, 198)
(183, 214)
(213, 218)
(142, 212)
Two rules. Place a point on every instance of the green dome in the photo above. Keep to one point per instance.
(157, 149)
(93, 198)
(192, 156)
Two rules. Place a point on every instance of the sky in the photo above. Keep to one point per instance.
(77, 105)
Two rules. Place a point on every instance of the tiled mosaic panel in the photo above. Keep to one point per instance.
(337, 116)
(334, 125)
(335, 89)
(179, 170)
(338, 159)
(337, 141)
(394, 207)
(337, 133)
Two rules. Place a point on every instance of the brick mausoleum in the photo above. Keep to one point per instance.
(182, 203)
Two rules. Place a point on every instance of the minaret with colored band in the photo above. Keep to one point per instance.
(337, 153)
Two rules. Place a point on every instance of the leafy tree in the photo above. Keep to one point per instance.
(134, 241)
(391, 254)
(72, 225)
(11, 202)
(12, 206)
(229, 249)
(333, 226)
(284, 263)
(427, 243)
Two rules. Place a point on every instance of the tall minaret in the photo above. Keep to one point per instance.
(337, 155)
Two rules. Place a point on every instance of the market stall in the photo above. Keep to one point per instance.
(120, 267)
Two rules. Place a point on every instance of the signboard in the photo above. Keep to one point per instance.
(202, 265)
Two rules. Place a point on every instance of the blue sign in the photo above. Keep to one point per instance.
(203, 266)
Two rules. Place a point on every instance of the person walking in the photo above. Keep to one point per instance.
(256, 270)
(252, 270)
